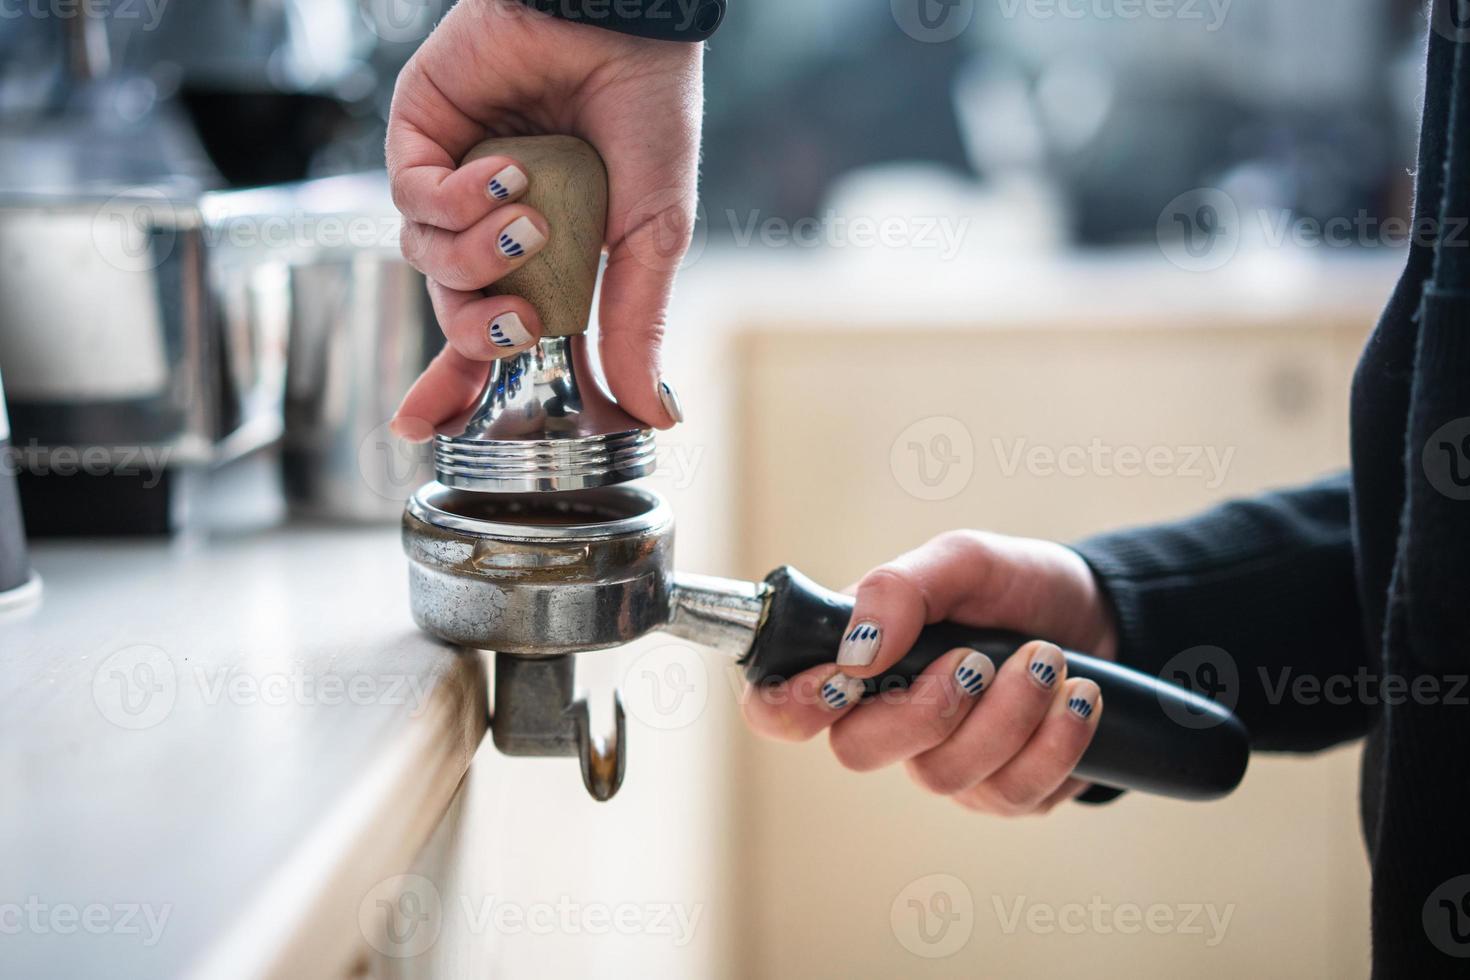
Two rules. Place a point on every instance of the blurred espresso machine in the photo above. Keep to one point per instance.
(198, 258)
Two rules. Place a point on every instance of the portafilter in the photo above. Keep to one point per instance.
(498, 563)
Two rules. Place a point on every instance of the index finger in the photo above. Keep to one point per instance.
(427, 136)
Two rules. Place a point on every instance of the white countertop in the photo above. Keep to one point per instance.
(208, 754)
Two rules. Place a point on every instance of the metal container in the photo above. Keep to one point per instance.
(19, 586)
(361, 329)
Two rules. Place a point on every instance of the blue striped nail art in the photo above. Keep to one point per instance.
(860, 646)
(498, 337)
(971, 680)
(1044, 672)
(511, 247)
(1081, 707)
(498, 190)
(834, 696)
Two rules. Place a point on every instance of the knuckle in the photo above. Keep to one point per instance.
(892, 580)
(400, 189)
(848, 751)
(411, 242)
(936, 776)
(933, 726)
(1014, 796)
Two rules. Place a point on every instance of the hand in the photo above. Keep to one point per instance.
(495, 68)
(1000, 742)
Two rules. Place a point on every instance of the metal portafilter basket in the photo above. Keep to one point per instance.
(498, 563)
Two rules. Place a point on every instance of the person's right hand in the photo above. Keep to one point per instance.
(495, 68)
(1002, 741)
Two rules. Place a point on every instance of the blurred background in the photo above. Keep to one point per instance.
(945, 246)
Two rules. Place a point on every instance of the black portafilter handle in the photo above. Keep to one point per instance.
(1153, 736)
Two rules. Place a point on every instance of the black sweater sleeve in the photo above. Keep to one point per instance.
(1253, 603)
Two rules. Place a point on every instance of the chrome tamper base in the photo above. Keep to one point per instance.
(543, 423)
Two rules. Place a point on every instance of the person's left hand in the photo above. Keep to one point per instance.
(999, 741)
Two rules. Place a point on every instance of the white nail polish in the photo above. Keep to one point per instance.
(507, 332)
(510, 182)
(520, 239)
(860, 645)
(841, 691)
(1082, 702)
(974, 673)
(670, 400)
(1045, 666)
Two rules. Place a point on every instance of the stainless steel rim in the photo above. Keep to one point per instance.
(446, 507)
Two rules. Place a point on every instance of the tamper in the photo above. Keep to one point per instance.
(529, 546)
(543, 422)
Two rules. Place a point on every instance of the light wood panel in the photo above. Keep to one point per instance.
(825, 854)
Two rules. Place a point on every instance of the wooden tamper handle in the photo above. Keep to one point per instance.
(569, 187)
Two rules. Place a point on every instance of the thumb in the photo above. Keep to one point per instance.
(1038, 588)
(650, 240)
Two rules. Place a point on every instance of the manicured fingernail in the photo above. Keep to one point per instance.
(975, 673)
(411, 429)
(510, 182)
(1082, 700)
(508, 331)
(841, 690)
(1046, 665)
(860, 645)
(520, 239)
(670, 400)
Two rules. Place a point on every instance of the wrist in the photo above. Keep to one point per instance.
(1097, 610)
